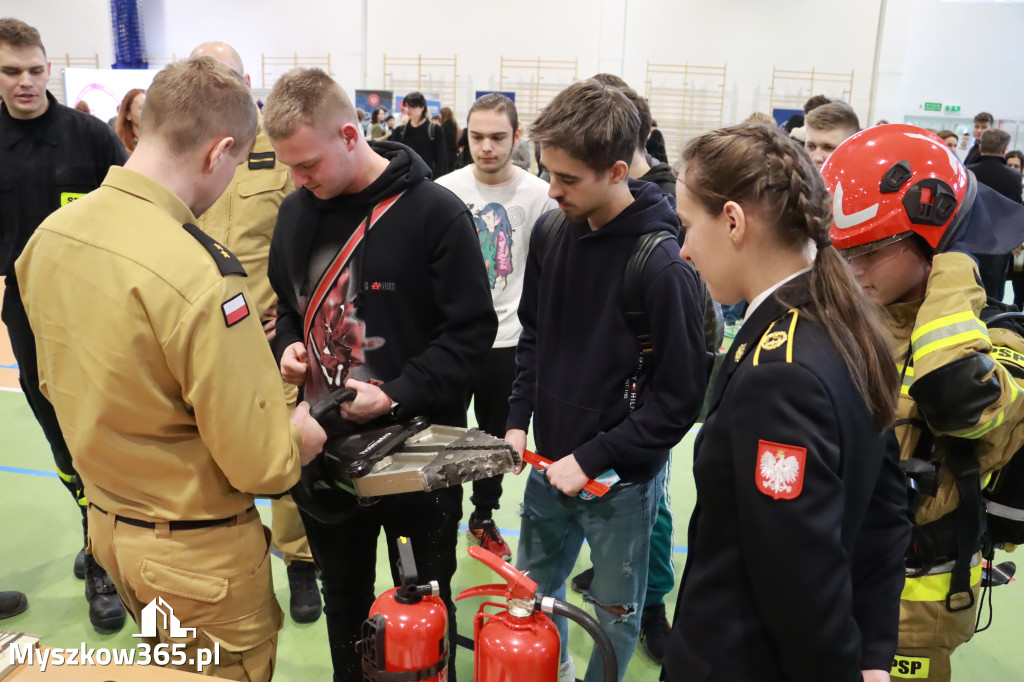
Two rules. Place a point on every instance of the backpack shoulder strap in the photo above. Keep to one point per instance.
(633, 289)
(543, 235)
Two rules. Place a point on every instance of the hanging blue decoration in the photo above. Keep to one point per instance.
(129, 40)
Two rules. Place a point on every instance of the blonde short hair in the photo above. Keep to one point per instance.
(833, 115)
(194, 100)
(761, 117)
(304, 97)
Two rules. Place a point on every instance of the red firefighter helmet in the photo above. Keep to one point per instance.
(892, 180)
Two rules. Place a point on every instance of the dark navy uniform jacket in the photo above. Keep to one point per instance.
(795, 561)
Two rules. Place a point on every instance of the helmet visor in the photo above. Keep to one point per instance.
(864, 249)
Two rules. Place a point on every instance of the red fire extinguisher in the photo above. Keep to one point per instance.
(407, 631)
(520, 642)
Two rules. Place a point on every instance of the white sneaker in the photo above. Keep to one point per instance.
(567, 671)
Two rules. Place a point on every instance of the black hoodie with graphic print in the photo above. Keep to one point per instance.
(408, 306)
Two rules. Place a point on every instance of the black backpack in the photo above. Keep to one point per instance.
(1004, 494)
(632, 285)
(431, 130)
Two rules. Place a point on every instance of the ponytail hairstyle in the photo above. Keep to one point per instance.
(761, 168)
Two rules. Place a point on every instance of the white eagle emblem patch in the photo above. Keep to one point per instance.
(780, 470)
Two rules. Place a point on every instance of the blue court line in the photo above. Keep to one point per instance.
(30, 472)
(14, 366)
(260, 502)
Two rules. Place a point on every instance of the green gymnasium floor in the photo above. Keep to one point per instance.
(40, 535)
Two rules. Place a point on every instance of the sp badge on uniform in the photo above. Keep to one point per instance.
(779, 470)
(235, 310)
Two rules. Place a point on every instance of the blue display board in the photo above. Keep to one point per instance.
(368, 100)
(782, 115)
(510, 95)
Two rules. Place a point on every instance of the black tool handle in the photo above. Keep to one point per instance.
(331, 403)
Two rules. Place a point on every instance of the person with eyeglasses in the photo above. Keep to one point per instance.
(907, 216)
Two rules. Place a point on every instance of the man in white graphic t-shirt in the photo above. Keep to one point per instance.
(505, 202)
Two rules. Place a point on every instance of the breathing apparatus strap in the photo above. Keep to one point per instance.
(963, 464)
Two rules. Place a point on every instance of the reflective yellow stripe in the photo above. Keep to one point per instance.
(933, 587)
(908, 379)
(64, 477)
(940, 322)
(792, 326)
(947, 331)
(910, 668)
(947, 342)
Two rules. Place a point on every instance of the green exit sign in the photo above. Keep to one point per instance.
(952, 109)
(933, 106)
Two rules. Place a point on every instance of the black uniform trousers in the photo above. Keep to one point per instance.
(23, 343)
(490, 403)
(346, 554)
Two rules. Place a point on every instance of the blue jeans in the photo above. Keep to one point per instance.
(618, 527)
(661, 576)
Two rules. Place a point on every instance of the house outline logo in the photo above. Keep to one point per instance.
(148, 621)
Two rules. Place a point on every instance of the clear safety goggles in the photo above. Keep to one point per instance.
(870, 254)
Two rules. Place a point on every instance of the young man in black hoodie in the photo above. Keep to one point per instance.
(654, 625)
(597, 403)
(381, 289)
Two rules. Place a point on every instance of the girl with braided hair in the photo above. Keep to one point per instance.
(795, 561)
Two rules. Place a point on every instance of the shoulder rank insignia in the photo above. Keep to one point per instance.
(779, 470)
(261, 160)
(774, 340)
(225, 260)
(777, 343)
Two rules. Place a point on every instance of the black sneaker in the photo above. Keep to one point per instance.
(305, 604)
(484, 533)
(106, 612)
(654, 632)
(79, 567)
(581, 582)
(12, 603)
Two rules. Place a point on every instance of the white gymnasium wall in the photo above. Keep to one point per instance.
(277, 28)
(80, 28)
(620, 36)
(752, 36)
(253, 27)
(480, 33)
(964, 54)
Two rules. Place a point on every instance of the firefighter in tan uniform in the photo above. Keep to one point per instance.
(903, 219)
(152, 355)
(243, 221)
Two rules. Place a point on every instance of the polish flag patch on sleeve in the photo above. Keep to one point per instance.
(235, 310)
(779, 470)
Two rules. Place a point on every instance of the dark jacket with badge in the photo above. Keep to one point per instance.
(46, 163)
(577, 356)
(795, 559)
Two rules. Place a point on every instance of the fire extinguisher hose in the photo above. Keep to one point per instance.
(592, 627)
